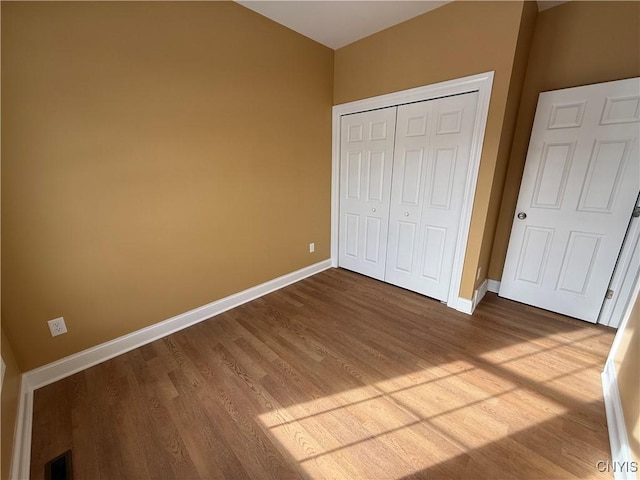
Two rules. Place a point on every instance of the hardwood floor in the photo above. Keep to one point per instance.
(340, 376)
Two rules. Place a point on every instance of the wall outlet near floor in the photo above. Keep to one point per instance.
(57, 326)
(312, 247)
(478, 273)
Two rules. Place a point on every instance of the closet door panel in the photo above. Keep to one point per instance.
(407, 191)
(366, 157)
(429, 192)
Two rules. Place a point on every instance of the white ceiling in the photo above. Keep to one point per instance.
(339, 23)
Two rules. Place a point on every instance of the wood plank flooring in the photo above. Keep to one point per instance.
(340, 377)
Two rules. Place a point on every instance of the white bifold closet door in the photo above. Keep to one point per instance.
(365, 187)
(402, 178)
(430, 163)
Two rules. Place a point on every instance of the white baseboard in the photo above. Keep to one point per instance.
(464, 305)
(467, 306)
(620, 450)
(52, 372)
(479, 294)
(493, 285)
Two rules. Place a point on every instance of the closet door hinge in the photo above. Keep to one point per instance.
(609, 295)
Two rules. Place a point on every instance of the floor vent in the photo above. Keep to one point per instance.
(59, 468)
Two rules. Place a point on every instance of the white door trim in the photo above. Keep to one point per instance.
(623, 279)
(618, 435)
(481, 83)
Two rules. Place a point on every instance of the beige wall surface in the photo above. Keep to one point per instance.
(8, 405)
(157, 156)
(577, 43)
(508, 127)
(456, 40)
(627, 363)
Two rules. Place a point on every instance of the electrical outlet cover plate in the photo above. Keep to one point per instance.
(57, 326)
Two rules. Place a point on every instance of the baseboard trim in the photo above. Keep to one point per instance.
(479, 294)
(620, 450)
(52, 372)
(464, 305)
(77, 362)
(493, 286)
(467, 306)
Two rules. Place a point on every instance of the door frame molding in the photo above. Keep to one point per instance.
(625, 275)
(481, 83)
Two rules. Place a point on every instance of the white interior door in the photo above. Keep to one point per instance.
(431, 158)
(580, 183)
(366, 152)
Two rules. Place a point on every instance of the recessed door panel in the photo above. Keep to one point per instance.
(411, 169)
(533, 254)
(378, 130)
(442, 176)
(354, 133)
(406, 234)
(354, 171)
(417, 125)
(352, 229)
(449, 121)
(621, 110)
(567, 115)
(375, 192)
(434, 243)
(604, 174)
(579, 259)
(581, 182)
(372, 239)
(552, 175)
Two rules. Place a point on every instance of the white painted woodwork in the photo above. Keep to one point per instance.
(431, 159)
(624, 276)
(400, 207)
(482, 84)
(365, 186)
(579, 187)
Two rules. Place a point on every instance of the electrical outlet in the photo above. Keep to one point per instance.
(57, 326)
(478, 274)
(312, 247)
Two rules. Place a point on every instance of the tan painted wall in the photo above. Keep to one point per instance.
(574, 44)
(627, 363)
(456, 40)
(508, 128)
(8, 406)
(157, 156)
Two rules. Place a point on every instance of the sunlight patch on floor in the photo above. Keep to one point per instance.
(354, 432)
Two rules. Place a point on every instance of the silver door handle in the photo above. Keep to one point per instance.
(522, 215)
(373, 210)
(406, 214)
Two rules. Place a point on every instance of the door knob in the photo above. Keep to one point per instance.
(522, 215)
(406, 214)
(373, 210)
